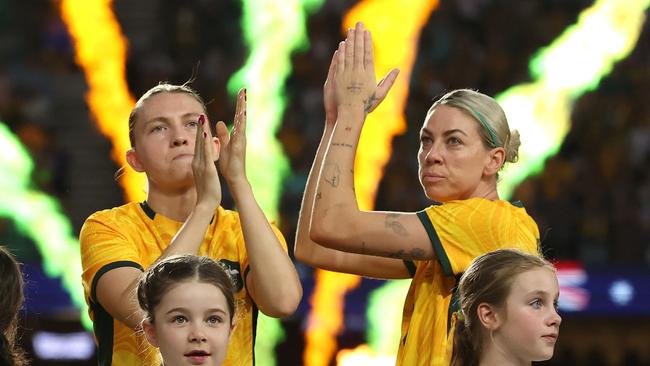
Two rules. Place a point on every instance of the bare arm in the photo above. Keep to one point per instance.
(310, 252)
(337, 222)
(116, 289)
(272, 281)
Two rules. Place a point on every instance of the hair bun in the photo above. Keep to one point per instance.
(512, 147)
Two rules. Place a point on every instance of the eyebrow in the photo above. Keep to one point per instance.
(180, 310)
(540, 293)
(165, 119)
(184, 310)
(446, 133)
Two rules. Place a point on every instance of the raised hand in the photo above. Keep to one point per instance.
(206, 179)
(232, 161)
(355, 74)
(329, 93)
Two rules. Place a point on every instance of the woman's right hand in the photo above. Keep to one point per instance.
(353, 74)
(206, 179)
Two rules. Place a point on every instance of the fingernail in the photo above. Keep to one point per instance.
(201, 119)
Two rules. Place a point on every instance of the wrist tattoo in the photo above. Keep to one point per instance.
(342, 144)
(332, 174)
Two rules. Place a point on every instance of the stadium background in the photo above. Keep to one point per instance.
(60, 111)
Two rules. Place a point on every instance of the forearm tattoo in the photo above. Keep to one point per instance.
(396, 226)
(416, 253)
(332, 174)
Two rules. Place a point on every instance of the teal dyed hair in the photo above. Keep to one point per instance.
(494, 130)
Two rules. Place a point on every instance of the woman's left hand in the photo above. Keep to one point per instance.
(232, 160)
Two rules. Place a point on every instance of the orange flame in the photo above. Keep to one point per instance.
(326, 317)
(100, 50)
(363, 355)
(396, 47)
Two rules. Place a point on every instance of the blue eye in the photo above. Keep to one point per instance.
(192, 123)
(214, 320)
(536, 304)
(179, 319)
(158, 128)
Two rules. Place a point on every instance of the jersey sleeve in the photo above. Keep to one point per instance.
(103, 248)
(462, 230)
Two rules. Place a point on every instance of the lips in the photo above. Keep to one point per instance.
(430, 177)
(180, 156)
(197, 353)
(197, 357)
(550, 337)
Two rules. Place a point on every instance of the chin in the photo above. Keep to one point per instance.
(437, 196)
(544, 355)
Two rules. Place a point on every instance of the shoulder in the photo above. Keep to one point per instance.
(127, 211)
(473, 209)
(114, 218)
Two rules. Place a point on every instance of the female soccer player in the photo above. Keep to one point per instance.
(464, 142)
(172, 144)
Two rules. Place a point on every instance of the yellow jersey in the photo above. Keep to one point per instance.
(459, 232)
(133, 235)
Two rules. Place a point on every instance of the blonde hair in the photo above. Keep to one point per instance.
(162, 87)
(494, 130)
(487, 280)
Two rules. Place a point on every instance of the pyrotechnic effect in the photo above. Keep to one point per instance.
(100, 50)
(392, 49)
(39, 217)
(384, 324)
(573, 64)
(272, 30)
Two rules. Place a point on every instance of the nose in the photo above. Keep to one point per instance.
(180, 138)
(433, 155)
(555, 320)
(196, 333)
(197, 336)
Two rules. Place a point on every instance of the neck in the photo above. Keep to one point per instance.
(494, 355)
(176, 205)
(487, 189)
